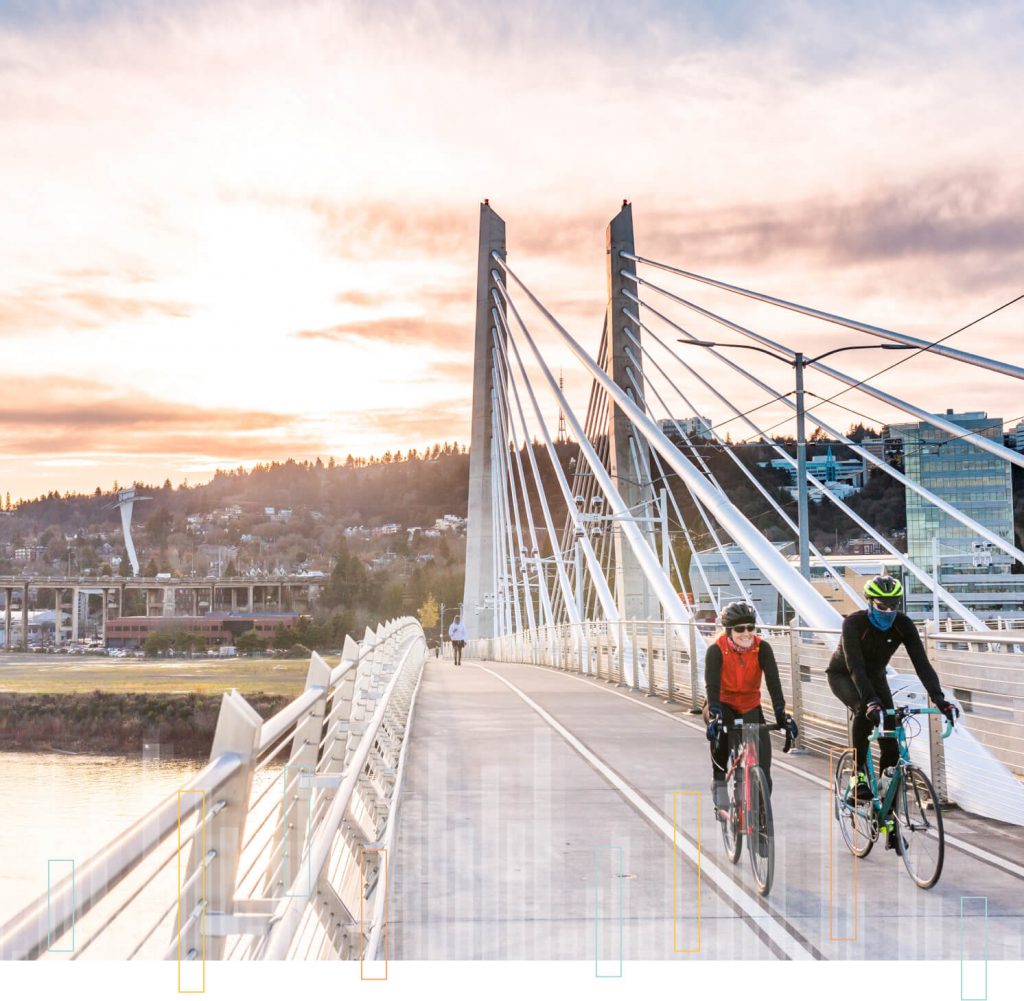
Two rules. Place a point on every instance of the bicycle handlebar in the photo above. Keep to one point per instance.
(904, 711)
(763, 726)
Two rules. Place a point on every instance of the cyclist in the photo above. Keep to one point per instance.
(856, 672)
(733, 668)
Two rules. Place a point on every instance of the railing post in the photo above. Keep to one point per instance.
(636, 656)
(694, 668)
(650, 659)
(238, 732)
(620, 657)
(293, 826)
(796, 685)
(936, 752)
(668, 662)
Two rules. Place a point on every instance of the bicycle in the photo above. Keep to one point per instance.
(750, 808)
(905, 807)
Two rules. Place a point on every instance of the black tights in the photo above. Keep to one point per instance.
(846, 691)
(720, 748)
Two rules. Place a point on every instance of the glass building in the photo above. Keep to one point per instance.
(976, 482)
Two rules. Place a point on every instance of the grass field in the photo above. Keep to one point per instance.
(67, 675)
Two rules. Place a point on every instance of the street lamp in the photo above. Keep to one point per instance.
(799, 363)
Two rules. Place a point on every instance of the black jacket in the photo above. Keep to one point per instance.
(864, 651)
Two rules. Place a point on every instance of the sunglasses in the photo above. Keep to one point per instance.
(886, 606)
(744, 629)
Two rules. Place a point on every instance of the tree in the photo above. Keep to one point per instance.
(428, 613)
(151, 569)
(251, 642)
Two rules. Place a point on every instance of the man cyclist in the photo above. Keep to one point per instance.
(856, 672)
(733, 667)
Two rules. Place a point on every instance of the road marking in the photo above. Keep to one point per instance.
(997, 861)
(762, 919)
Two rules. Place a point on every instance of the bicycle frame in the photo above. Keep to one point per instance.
(898, 733)
(745, 756)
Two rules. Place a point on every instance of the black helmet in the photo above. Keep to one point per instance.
(736, 613)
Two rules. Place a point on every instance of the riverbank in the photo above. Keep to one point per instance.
(134, 723)
(35, 673)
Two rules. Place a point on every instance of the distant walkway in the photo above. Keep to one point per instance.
(504, 807)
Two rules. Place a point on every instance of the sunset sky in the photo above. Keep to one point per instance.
(238, 231)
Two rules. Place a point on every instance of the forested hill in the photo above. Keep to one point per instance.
(418, 488)
(410, 490)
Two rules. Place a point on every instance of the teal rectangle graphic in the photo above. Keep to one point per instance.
(611, 870)
(974, 927)
(299, 772)
(49, 912)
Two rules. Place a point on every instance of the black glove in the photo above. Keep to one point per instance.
(949, 710)
(874, 713)
(715, 723)
(786, 722)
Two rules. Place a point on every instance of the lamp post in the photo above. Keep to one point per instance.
(799, 363)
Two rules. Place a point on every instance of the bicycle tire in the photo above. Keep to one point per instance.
(732, 833)
(920, 840)
(859, 832)
(761, 840)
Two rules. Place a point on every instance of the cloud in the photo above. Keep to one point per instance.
(42, 309)
(448, 420)
(47, 417)
(396, 330)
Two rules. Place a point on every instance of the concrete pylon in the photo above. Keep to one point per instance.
(626, 451)
(480, 568)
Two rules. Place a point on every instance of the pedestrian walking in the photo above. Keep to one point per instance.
(457, 634)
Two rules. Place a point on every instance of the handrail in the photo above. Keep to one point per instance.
(289, 913)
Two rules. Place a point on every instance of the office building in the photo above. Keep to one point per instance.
(978, 484)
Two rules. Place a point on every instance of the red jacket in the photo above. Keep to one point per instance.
(741, 675)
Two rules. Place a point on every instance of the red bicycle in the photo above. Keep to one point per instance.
(750, 806)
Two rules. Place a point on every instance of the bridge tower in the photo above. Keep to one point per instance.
(480, 566)
(629, 460)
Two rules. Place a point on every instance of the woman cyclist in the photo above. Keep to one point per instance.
(856, 672)
(733, 668)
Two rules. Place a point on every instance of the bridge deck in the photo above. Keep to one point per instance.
(504, 808)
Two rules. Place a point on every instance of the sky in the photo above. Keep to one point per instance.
(234, 232)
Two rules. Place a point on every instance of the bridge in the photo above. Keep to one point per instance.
(163, 596)
(549, 797)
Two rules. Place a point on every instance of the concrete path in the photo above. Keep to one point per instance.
(520, 778)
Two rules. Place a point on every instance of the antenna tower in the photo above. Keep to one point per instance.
(563, 436)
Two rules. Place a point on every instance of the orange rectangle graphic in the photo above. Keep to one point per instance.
(383, 936)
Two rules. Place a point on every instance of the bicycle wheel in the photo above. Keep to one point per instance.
(920, 840)
(856, 820)
(761, 839)
(732, 832)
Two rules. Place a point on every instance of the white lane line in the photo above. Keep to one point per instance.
(965, 846)
(763, 920)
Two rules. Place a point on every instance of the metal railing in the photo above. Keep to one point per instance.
(274, 849)
(983, 672)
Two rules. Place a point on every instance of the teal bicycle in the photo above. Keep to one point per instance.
(903, 804)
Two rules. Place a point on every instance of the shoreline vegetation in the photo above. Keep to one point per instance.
(99, 722)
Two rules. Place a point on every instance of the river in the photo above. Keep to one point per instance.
(57, 806)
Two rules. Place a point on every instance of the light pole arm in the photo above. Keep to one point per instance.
(861, 347)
